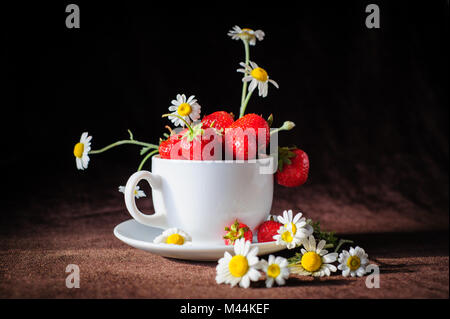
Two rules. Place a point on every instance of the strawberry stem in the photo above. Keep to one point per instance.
(170, 129)
(234, 232)
(270, 120)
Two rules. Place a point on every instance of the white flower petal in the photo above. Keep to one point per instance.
(360, 272)
(253, 274)
(320, 246)
(274, 83)
(252, 85)
(312, 243)
(269, 282)
(296, 218)
(329, 258)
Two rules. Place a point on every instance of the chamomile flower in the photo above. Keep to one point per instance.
(173, 236)
(81, 151)
(137, 192)
(286, 237)
(353, 262)
(188, 109)
(257, 77)
(276, 269)
(246, 34)
(240, 268)
(294, 229)
(315, 260)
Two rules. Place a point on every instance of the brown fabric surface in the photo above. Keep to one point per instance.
(370, 107)
(38, 241)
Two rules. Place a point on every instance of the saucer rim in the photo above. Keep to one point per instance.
(193, 245)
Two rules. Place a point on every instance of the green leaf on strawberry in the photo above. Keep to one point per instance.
(293, 167)
(236, 231)
(270, 120)
(284, 155)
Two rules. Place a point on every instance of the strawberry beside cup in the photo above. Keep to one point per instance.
(293, 167)
(236, 231)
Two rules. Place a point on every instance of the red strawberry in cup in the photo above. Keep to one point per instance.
(219, 120)
(293, 167)
(201, 144)
(236, 231)
(197, 143)
(242, 137)
(168, 146)
(267, 230)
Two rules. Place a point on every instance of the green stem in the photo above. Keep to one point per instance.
(288, 125)
(244, 105)
(341, 242)
(131, 135)
(244, 85)
(181, 118)
(146, 158)
(121, 143)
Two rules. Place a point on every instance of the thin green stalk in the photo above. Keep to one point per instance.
(288, 125)
(341, 242)
(146, 158)
(181, 118)
(244, 105)
(121, 143)
(244, 85)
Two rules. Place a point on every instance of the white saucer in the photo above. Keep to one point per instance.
(141, 236)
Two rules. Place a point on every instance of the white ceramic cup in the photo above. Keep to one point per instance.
(202, 197)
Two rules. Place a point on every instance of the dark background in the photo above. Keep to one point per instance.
(371, 108)
(371, 105)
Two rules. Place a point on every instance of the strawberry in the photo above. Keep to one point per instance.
(219, 120)
(267, 230)
(293, 167)
(170, 148)
(237, 230)
(239, 144)
(201, 144)
(165, 148)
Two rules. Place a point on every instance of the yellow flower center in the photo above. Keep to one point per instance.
(78, 150)
(260, 74)
(175, 239)
(353, 263)
(184, 109)
(311, 261)
(238, 266)
(294, 228)
(287, 236)
(246, 35)
(273, 271)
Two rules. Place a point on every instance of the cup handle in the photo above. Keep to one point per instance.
(157, 219)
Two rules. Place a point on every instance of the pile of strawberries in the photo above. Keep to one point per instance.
(201, 142)
(212, 130)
